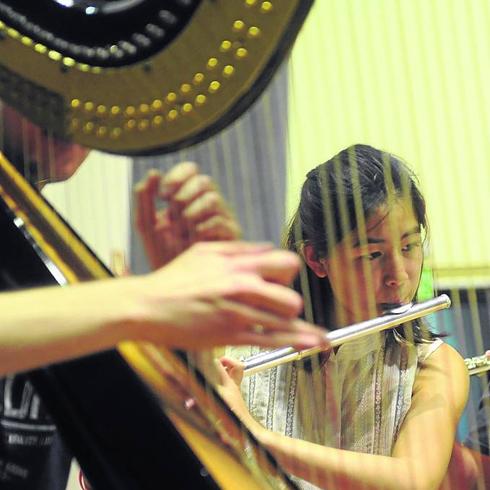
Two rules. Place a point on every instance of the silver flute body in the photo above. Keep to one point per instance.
(395, 317)
(477, 364)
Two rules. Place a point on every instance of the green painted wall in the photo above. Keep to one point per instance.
(411, 77)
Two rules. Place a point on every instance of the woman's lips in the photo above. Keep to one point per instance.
(395, 307)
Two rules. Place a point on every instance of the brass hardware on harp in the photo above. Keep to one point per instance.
(210, 440)
(163, 81)
(392, 319)
(477, 364)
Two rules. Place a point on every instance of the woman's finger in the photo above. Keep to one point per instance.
(237, 248)
(279, 339)
(278, 266)
(241, 318)
(234, 368)
(267, 297)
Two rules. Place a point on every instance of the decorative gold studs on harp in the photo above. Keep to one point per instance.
(191, 94)
(93, 117)
(65, 61)
(265, 7)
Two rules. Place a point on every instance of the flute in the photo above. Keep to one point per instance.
(393, 318)
(477, 364)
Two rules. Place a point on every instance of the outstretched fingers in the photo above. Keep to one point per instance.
(279, 266)
(153, 226)
(234, 248)
(280, 339)
(265, 296)
(247, 325)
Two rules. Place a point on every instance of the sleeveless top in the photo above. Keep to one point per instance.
(356, 400)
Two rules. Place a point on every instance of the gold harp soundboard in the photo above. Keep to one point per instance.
(141, 76)
(134, 77)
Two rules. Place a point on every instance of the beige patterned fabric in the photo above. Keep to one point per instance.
(356, 400)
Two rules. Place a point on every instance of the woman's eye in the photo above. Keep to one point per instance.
(371, 256)
(410, 246)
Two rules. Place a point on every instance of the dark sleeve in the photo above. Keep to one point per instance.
(479, 436)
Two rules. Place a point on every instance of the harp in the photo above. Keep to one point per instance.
(136, 76)
(52, 253)
(46, 67)
(423, 60)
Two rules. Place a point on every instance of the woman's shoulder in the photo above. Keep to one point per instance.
(439, 351)
(443, 374)
(444, 365)
(426, 349)
(439, 354)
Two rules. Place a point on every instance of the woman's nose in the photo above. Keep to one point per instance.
(395, 271)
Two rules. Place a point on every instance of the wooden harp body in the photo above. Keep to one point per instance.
(133, 77)
(124, 435)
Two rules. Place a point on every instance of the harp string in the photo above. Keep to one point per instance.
(345, 220)
(450, 143)
(210, 394)
(435, 135)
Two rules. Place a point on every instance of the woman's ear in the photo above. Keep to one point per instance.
(316, 265)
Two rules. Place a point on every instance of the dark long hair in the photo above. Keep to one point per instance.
(335, 196)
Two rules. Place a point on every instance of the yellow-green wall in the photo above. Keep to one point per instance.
(411, 77)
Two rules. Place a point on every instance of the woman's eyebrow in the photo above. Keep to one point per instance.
(368, 240)
(413, 231)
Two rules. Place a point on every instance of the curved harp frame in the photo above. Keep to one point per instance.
(179, 96)
(224, 448)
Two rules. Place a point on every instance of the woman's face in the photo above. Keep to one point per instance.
(376, 270)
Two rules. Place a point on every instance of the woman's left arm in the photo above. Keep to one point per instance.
(422, 450)
(428, 432)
